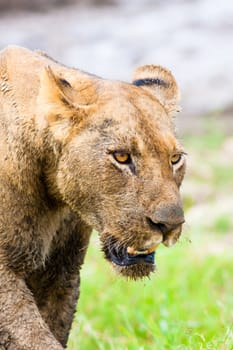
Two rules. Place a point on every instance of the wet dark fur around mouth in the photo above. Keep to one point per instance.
(132, 266)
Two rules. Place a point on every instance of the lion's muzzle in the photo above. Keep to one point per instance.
(134, 257)
(168, 220)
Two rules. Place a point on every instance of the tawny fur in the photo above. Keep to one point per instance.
(59, 129)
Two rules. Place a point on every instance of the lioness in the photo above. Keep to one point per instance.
(78, 152)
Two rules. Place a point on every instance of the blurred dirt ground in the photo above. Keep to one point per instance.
(110, 37)
(43, 5)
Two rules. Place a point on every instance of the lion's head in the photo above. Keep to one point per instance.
(120, 164)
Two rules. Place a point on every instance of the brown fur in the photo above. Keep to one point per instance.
(59, 131)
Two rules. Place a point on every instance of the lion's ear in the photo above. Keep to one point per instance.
(57, 103)
(160, 82)
(55, 95)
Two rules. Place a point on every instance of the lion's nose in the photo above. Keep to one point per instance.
(166, 219)
(164, 227)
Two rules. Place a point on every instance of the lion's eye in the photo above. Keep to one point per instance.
(122, 157)
(176, 158)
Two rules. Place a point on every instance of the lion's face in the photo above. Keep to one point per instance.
(121, 168)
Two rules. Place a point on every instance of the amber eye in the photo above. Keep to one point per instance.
(122, 157)
(176, 158)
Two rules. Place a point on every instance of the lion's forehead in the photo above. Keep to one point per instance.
(157, 138)
(130, 125)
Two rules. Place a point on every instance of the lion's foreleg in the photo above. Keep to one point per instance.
(21, 325)
(56, 288)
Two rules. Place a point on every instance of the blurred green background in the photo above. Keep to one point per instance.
(188, 302)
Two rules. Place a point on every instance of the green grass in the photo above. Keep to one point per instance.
(188, 302)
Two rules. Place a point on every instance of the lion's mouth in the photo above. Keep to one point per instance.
(122, 256)
(128, 262)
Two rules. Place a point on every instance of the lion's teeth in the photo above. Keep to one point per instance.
(141, 252)
(132, 251)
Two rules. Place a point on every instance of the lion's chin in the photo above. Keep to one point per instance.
(136, 271)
